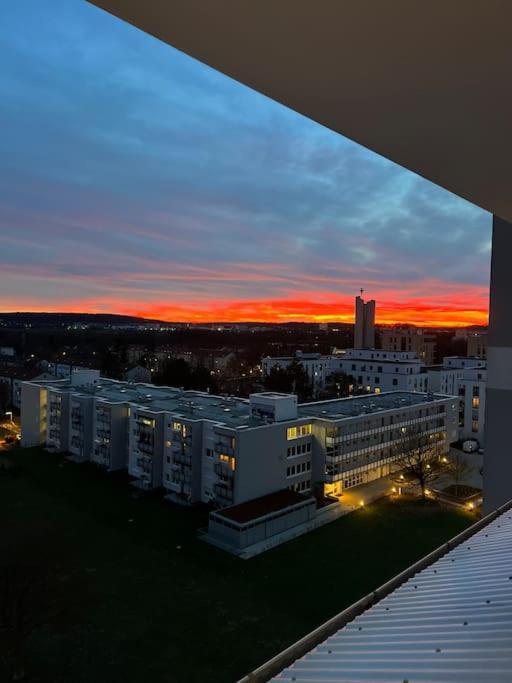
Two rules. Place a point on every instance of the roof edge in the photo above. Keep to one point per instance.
(274, 666)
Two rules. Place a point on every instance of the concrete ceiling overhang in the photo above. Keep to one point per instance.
(425, 83)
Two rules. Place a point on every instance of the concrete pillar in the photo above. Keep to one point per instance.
(498, 408)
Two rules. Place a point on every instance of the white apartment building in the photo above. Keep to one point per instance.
(472, 410)
(373, 370)
(376, 371)
(316, 366)
(227, 450)
(409, 339)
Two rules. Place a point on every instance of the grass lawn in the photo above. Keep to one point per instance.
(153, 603)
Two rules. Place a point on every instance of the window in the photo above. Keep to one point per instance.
(476, 402)
(296, 432)
(395, 382)
(229, 459)
(209, 453)
(167, 444)
(176, 426)
(474, 426)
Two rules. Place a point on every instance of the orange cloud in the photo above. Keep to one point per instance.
(280, 311)
(445, 305)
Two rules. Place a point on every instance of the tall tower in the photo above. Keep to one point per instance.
(364, 328)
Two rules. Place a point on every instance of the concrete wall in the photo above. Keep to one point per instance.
(33, 415)
(498, 409)
(262, 461)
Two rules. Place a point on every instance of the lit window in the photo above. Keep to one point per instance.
(229, 460)
(176, 426)
(476, 402)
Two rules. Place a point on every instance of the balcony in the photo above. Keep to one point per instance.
(181, 477)
(182, 459)
(223, 471)
(221, 447)
(223, 493)
(146, 448)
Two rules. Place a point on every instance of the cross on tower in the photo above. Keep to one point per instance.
(361, 290)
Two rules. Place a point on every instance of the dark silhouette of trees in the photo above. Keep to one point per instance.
(290, 380)
(176, 372)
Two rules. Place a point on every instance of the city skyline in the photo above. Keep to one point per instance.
(136, 180)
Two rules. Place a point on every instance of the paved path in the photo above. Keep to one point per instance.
(367, 493)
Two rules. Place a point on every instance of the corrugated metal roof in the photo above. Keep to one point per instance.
(450, 623)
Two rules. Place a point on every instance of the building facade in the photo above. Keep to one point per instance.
(364, 326)
(226, 450)
(410, 339)
(472, 409)
(477, 345)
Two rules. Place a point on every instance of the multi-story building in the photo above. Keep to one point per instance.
(477, 345)
(52, 412)
(227, 450)
(472, 409)
(410, 339)
(364, 326)
(317, 367)
(110, 426)
(463, 362)
(375, 371)
(364, 437)
(372, 370)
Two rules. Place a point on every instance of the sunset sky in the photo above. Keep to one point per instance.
(136, 180)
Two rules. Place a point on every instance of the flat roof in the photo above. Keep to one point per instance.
(232, 411)
(369, 403)
(261, 507)
(193, 405)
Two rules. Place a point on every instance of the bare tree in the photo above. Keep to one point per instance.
(420, 459)
(458, 467)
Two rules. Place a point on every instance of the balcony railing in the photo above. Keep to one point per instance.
(144, 447)
(223, 493)
(182, 459)
(221, 447)
(223, 471)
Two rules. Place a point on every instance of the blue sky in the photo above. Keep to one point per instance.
(135, 179)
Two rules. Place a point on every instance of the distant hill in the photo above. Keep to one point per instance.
(23, 319)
